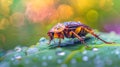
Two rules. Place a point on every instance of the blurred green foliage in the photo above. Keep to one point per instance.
(23, 22)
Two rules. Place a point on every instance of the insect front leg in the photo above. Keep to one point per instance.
(60, 36)
(59, 42)
(95, 35)
(49, 41)
(80, 38)
(51, 38)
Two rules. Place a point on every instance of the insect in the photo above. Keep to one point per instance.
(72, 30)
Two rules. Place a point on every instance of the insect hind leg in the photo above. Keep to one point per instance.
(80, 38)
(95, 35)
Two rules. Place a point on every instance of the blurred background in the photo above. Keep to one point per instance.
(23, 22)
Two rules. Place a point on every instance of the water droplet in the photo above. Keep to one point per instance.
(64, 65)
(44, 57)
(42, 39)
(84, 52)
(32, 50)
(117, 52)
(24, 49)
(85, 58)
(12, 58)
(59, 61)
(61, 53)
(18, 57)
(73, 61)
(44, 63)
(95, 49)
(49, 57)
(98, 62)
(18, 49)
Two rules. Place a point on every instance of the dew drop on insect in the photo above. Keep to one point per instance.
(44, 63)
(64, 65)
(85, 58)
(95, 49)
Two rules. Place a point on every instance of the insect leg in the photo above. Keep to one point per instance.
(95, 35)
(81, 39)
(59, 42)
(60, 36)
(49, 41)
(51, 38)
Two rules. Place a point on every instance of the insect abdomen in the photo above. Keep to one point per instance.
(80, 31)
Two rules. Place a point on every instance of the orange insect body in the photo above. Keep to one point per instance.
(71, 30)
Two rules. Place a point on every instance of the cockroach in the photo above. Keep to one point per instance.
(72, 30)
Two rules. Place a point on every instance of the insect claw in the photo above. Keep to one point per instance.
(110, 42)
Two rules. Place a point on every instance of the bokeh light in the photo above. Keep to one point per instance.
(92, 15)
(4, 7)
(18, 22)
(81, 6)
(39, 10)
(3, 23)
(113, 25)
(64, 11)
(106, 4)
